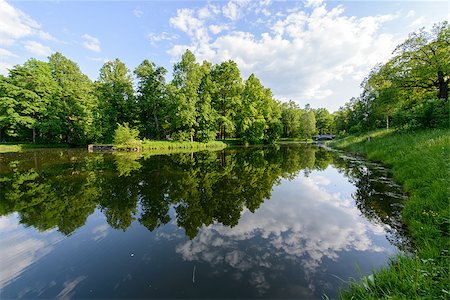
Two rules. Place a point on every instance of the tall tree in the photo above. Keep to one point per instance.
(116, 98)
(423, 61)
(308, 123)
(150, 98)
(291, 119)
(17, 109)
(187, 77)
(206, 114)
(36, 77)
(227, 95)
(324, 121)
(73, 105)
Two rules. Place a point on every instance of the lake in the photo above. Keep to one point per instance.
(292, 221)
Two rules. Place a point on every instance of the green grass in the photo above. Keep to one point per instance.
(420, 161)
(167, 145)
(11, 147)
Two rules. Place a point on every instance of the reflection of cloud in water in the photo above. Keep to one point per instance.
(69, 287)
(303, 222)
(100, 232)
(18, 250)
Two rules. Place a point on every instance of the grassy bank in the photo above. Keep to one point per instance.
(10, 147)
(420, 162)
(169, 145)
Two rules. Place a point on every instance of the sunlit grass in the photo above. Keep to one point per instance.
(168, 145)
(420, 161)
(10, 147)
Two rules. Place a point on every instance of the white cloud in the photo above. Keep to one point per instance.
(195, 29)
(99, 59)
(410, 14)
(164, 36)
(91, 43)
(5, 53)
(15, 24)
(301, 55)
(216, 29)
(37, 48)
(234, 9)
(313, 3)
(204, 13)
(137, 12)
(418, 22)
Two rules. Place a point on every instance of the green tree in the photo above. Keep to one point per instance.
(206, 114)
(308, 123)
(291, 119)
(324, 121)
(116, 98)
(227, 95)
(126, 137)
(151, 97)
(423, 61)
(36, 77)
(72, 108)
(187, 77)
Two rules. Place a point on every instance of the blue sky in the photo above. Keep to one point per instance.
(309, 51)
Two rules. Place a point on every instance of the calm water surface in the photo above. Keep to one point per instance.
(278, 222)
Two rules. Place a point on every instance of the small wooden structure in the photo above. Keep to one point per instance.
(93, 148)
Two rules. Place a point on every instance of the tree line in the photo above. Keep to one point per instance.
(54, 102)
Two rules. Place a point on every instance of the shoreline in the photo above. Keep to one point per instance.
(418, 161)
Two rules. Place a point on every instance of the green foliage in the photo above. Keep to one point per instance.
(258, 118)
(126, 137)
(71, 110)
(226, 95)
(114, 90)
(186, 79)
(420, 162)
(324, 121)
(55, 103)
(151, 99)
(410, 90)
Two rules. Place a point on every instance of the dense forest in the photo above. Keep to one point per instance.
(54, 102)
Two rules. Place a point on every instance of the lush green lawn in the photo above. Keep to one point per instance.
(11, 147)
(167, 145)
(420, 161)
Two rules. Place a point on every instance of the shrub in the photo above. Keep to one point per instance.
(126, 137)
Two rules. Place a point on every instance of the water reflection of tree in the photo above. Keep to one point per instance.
(377, 197)
(203, 187)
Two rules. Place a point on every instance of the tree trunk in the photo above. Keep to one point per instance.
(443, 86)
(156, 122)
(387, 122)
(192, 137)
(34, 135)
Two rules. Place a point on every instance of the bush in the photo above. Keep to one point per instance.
(126, 137)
